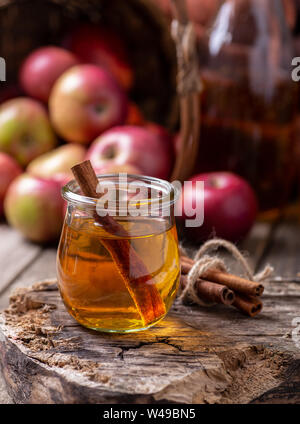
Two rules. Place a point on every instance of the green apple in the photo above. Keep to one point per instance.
(58, 161)
(34, 207)
(25, 130)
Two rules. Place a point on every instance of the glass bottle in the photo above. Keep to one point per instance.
(249, 101)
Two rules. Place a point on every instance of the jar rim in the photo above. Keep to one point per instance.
(70, 192)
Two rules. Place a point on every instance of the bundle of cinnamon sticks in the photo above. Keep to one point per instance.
(221, 287)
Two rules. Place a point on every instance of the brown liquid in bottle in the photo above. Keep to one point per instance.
(249, 100)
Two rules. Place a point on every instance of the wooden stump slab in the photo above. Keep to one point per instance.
(195, 355)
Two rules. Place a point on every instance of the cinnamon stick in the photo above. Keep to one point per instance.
(134, 272)
(211, 292)
(234, 282)
(249, 305)
(245, 292)
(185, 267)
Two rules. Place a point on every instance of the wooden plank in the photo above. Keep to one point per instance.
(15, 255)
(195, 355)
(43, 267)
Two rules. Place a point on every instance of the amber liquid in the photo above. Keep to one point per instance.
(253, 136)
(91, 285)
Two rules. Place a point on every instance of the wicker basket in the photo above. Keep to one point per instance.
(27, 24)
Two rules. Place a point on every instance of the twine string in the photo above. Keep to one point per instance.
(204, 262)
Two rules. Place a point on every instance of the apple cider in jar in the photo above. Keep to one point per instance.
(126, 279)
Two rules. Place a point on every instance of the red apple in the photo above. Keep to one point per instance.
(84, 102)
(42, 68)
(100, 46)
(130, 145)
(34, 207)
(112, 168)
(230, 206)
(62, 179)
(163, 134)
(9, 170)
(25, 130)
(58, 161)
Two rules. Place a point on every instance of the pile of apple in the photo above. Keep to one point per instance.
(73, 104)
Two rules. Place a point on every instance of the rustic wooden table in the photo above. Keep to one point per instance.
(263, 362)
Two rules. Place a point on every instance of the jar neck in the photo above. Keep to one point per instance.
(125, 195)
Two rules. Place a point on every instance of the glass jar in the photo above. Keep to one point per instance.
(249, 100)
(124, 277)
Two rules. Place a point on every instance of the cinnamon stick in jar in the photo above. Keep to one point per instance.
(134, 272)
